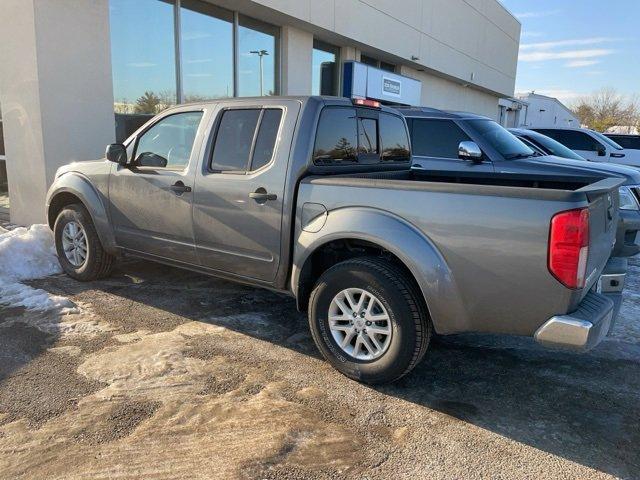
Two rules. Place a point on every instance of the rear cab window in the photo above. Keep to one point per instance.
(360, 136)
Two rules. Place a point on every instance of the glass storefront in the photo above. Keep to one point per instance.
(258, 58)
(143, 59)
(325, 69)
(206, 38)
(185, 53)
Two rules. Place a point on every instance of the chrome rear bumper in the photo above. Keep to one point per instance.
(581, 330)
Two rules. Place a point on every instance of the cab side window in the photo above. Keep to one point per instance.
(246, 139)
(169, 142)
(573, 139)
(436, 138)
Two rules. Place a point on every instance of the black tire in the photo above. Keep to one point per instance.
(411, 325)
(98, 263)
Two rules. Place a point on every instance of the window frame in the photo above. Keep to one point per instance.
(214, 138)
(326, 47)
(134, 152)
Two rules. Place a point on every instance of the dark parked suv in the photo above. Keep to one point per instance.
(461, 141)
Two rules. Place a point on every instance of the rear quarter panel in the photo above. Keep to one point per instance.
(494, 248)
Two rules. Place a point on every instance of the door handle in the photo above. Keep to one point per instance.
(179, 188)
(261, 195)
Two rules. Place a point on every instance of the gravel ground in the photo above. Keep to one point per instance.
(169, 374)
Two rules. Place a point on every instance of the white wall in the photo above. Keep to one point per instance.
(296, 63)
(547, 112)
(445, 94)
(457, 38)
(56, 93)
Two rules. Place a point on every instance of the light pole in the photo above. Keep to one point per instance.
(260, 53)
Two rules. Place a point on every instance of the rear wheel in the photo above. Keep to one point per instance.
(80, 252)
(368, 320)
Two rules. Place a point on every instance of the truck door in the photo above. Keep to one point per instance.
(150, 199)
(238, 201)
(435, 146)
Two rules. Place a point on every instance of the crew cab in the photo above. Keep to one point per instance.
(592, 145)
(314, 196)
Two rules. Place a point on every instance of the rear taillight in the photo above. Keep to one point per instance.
(569, 247)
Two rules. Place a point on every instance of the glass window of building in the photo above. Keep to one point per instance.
(389, 67)
(374, 62)
(326, 71)
(206, 45)
(143, 55)
(367, 60)
(257, 58)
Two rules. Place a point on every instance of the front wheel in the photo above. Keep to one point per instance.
(80, 252)
(368, 320)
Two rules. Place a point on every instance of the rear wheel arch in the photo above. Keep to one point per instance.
(338, 250)
(391, 237)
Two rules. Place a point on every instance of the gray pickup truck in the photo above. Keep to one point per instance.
(315, 196)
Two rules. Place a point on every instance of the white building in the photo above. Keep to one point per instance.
(68, 65)
(542, 111)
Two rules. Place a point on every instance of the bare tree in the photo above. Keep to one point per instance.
(607, 108)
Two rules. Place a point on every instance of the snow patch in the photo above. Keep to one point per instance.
(26, 254)
(15, 294)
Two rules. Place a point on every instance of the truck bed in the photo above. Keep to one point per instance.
(492, 231)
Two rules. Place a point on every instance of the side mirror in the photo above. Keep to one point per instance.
(116, 152)
(602, 150)
(470, 151)
(150, 159)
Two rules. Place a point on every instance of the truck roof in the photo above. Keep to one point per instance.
(426, 112)
(329, 100)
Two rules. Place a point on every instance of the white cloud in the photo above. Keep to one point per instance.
(567, 43)
(538, 14)
(542, 56)
(581, 63)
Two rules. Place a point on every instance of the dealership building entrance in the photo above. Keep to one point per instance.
(77, 75)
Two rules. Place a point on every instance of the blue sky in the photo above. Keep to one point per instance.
(570, 48)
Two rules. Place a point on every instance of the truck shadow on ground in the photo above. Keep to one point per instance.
(585, 408)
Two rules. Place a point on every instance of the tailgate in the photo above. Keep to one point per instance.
(603, 220)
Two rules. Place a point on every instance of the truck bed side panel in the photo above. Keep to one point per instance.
(495, 246)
